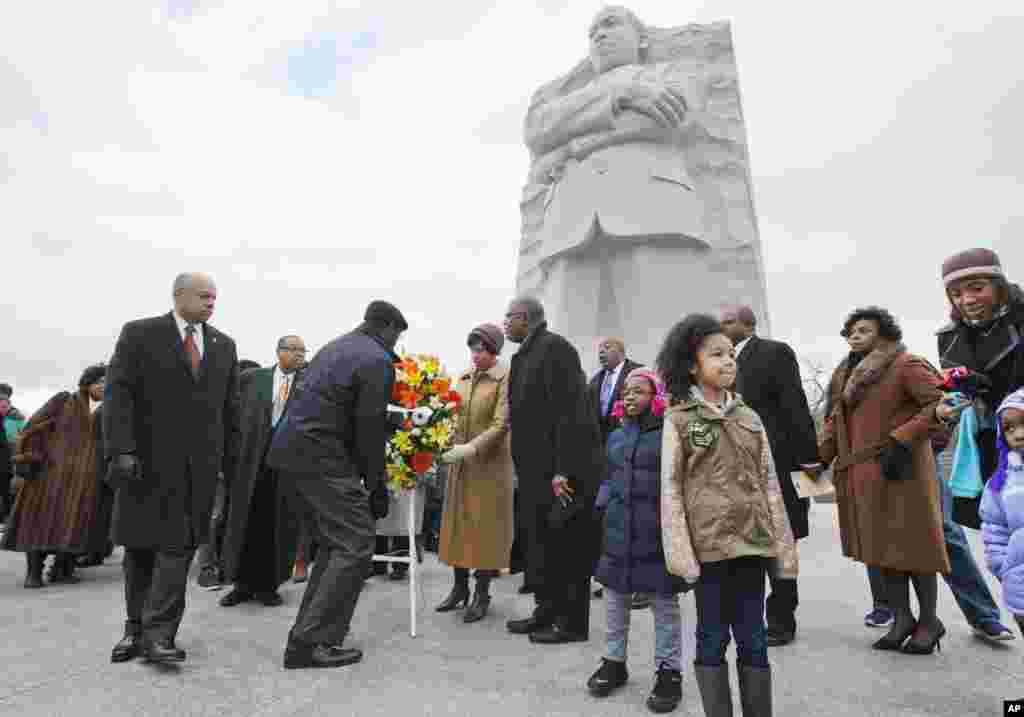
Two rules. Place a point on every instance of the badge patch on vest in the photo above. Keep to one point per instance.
(702, 434)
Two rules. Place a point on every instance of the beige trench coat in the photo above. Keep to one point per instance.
(477, 524)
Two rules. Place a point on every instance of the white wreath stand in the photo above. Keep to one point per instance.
(411, 560)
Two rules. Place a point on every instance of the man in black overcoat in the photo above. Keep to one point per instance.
(768, 379)
(261, 529)
(331, 445)
(556, 447)
(170, 423)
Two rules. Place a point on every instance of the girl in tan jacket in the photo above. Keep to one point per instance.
(723, 521)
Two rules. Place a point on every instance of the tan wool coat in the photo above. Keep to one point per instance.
(477, 525)
(720, 497)
(895, 525)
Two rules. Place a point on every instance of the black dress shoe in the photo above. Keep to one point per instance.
(271, 598)
(301, 657)
(236, 597)
(526, 626)
(526, 589)
(556, 635)
(777, 636)
(162, 651)
(127, 649)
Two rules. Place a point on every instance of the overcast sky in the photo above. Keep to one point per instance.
(315, 155)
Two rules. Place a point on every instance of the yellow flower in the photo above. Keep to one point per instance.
(402, 441)
(439, 434)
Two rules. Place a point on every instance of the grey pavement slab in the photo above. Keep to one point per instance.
(55, 655)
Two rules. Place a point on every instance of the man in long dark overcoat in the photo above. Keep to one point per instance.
(768, 379)
(170, 423)
(556, 447)
(331, 443)
(261, 528)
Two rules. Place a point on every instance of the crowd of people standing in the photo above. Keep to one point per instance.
(655, 482)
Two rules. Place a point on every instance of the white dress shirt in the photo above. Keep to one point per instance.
(280, 379)
(613, 377)
(742, 345)
(198, 336)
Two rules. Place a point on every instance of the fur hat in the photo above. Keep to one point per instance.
(387, 313)
(490, 335)
(971, 263)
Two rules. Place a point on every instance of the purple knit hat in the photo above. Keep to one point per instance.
(490, 335)
(972, 262)
(1014, 400)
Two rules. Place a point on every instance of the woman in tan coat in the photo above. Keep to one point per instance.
(883, 403)
(477, 524)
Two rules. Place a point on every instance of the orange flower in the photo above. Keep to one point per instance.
(406, 396)
(396, 392)
(408, 424)
(453, 397)
(441, 386)
(422, 461)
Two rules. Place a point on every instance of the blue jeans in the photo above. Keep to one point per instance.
(668, 628)
(730, 601)
(965, 580)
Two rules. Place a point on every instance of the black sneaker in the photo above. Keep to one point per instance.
(667, 692)
(610, 676)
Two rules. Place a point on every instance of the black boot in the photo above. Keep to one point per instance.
(34, 569)
(481, 600)
(715, 694)
(63, 569)
(755, 691)
(897, 588)
(460, 592)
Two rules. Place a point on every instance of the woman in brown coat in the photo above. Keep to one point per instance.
(883, 403)
(477, 524)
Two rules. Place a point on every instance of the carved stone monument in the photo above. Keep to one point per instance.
(638, 208)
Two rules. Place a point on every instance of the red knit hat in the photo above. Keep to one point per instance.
(971, 263)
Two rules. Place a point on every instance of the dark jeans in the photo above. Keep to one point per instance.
(730, 601)
(154, 590)
(337, 511)
(965, 579)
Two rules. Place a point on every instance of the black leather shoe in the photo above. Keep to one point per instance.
(777, 636)
(162, 651)
(555, 635)
(526, 626)
(610, 676)
(269, 598)
(298, 657)
(526, 589)
(236, 597)
(127, 649)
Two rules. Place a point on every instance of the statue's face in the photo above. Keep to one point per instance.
(614, 40)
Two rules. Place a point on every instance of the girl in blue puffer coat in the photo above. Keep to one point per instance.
(1002, 506)
(632, 558)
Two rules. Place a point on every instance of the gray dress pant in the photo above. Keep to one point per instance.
(155, 582)
(337, 513)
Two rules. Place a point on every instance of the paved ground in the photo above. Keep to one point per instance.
(55, 656)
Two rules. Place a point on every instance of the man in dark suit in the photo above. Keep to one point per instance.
(768, 379)
(261, 530)
(331, 443)
(556, 448)
(606, 385)
(170, 423)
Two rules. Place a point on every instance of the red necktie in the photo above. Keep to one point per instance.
(191, 350)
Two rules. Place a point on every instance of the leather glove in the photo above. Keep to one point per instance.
(123, 468)
(896, 460)
(458, 453)
(380, 502)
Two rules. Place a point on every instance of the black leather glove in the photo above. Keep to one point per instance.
(896, 460)
(380, 502)
(123, 468)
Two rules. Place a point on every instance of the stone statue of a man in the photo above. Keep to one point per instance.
(637, 193)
